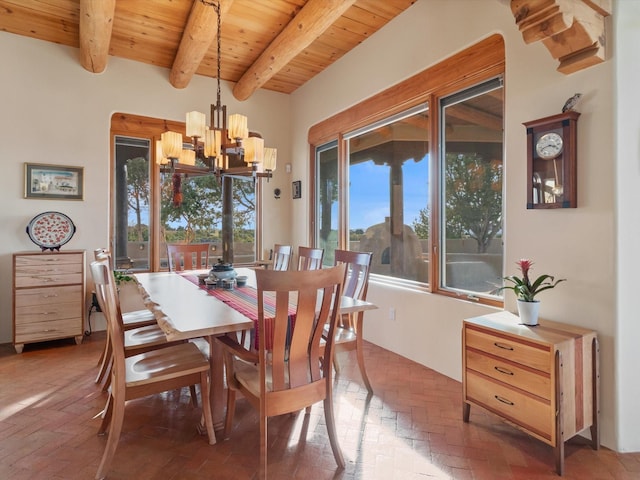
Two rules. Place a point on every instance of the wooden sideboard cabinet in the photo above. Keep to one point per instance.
(543, 380)
(48, 296)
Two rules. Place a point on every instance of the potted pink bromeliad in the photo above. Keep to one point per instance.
(526, 291)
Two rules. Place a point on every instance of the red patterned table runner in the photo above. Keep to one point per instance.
(245, 300)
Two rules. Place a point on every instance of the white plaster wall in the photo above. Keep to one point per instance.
(53, 111)
(577, 244)
(627, 157)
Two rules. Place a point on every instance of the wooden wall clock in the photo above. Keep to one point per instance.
(551, 161)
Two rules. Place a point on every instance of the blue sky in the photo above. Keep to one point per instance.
(369, 193)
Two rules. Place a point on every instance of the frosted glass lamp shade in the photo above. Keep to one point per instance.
(253, 150)
(270, 157)
(187, 157)
(237, 127)
(196, 123)
(160, 158)
(171, 144)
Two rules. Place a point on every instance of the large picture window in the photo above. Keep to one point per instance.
(419, 182)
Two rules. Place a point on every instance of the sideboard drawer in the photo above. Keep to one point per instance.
(510, 348)
(54, 275)
(24, 262)
(48, 295)
(535, 382)
(54, 311)
(524, 410)
(46, 330)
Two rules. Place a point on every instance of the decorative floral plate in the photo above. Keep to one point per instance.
(50, 230)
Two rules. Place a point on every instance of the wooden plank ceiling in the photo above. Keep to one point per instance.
(272, 44)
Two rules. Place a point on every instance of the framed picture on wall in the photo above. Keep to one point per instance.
(296, 189)
(54, 182)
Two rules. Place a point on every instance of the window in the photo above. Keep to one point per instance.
(146, 213)
(420, 186)
(132, 203)
(198, 217)
(471, 185)
(327, 200)
(388, 179)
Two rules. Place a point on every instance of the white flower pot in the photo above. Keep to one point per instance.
(528, 312)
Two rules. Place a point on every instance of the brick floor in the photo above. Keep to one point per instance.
(410, 429)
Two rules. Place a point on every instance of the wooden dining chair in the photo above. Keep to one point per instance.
(188, 256)
(348, 331)
(281, 257)
(291, 375)
(310, 258)
(144, 374)
(141, 334)
(132, 320)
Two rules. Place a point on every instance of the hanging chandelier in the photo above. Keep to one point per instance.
(224, 148)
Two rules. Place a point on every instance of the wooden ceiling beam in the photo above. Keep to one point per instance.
(96, 25)
(572, 30)
(312, 20)
(201, 30)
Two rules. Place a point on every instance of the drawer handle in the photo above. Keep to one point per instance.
(504, 400)
(503, 346)
(42, 279)
(50, 296)
(504, 370)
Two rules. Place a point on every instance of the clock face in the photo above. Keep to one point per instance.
(549, 145)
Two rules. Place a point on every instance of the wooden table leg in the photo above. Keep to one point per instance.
(217, 384)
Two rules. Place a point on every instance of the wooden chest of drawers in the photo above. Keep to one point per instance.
(543, 380)
(48, 296)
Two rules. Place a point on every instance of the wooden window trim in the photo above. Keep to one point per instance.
(483, 60)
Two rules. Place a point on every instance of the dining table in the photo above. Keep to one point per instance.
(189, 309)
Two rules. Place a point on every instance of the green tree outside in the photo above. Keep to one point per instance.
(473, 200)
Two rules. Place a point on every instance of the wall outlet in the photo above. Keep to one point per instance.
(392, 314)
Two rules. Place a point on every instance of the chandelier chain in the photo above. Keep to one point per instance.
(219, 50)
(216, 7)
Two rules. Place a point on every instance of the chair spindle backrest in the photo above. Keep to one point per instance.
(188, 256)
(294, 360)
(281, 257)
(310, 258)
(358, 269)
